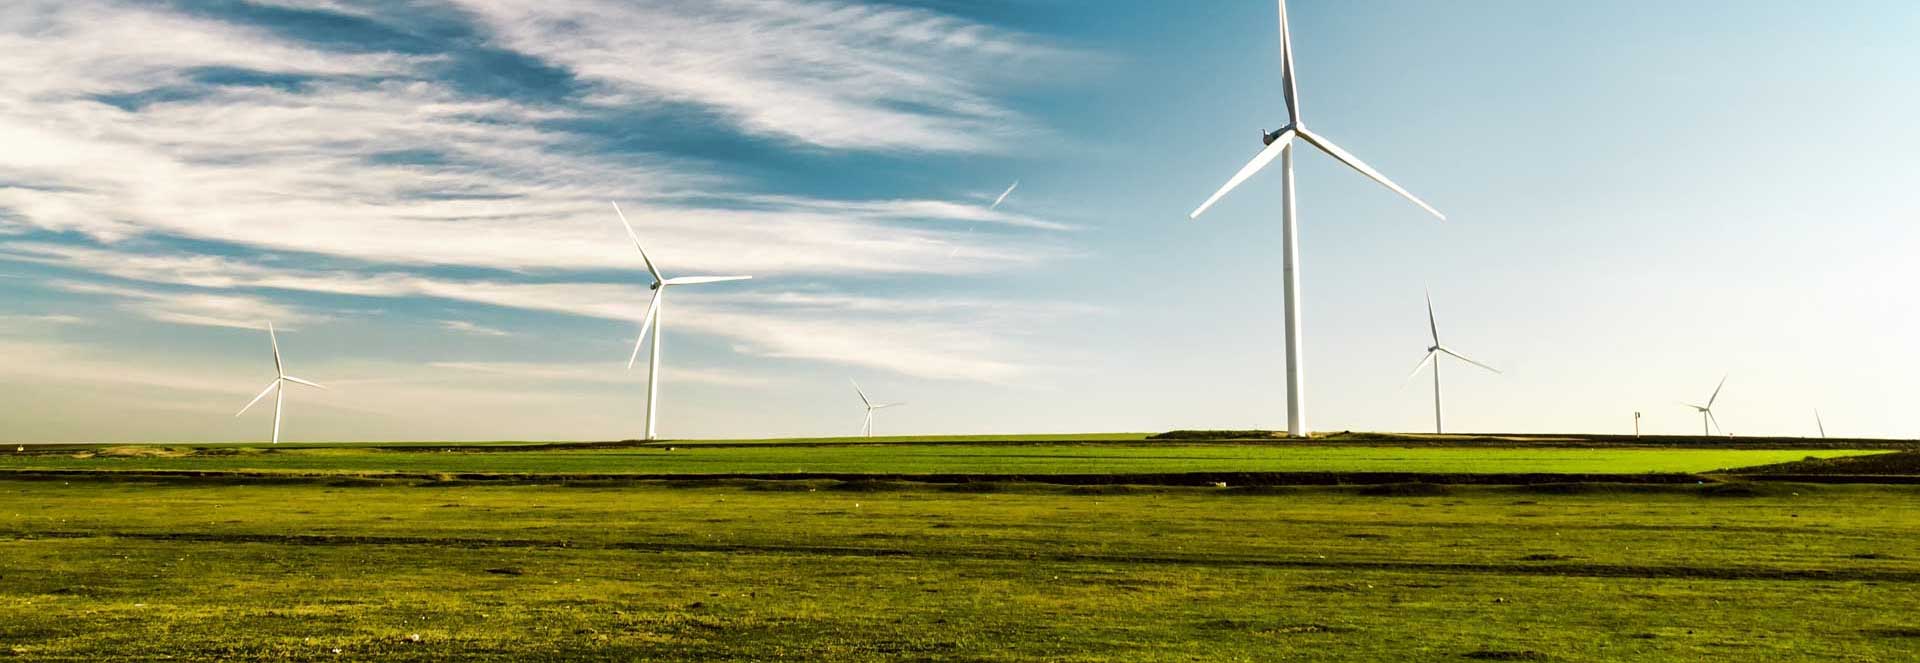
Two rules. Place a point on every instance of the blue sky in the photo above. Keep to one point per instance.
(1642, 196)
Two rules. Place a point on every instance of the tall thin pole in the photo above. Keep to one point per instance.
(1436, 396)
(1296, 373)
(279, 399)
(653, 363)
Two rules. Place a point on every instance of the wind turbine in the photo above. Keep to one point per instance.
(1433, 353)
(1706, 411)
(659, 288)
(1280, 144)
(996, 203)
(277, 386)
(866, 428)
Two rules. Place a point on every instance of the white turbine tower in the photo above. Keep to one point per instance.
(866, 427)
(276, 386)
(652, 319)
(1433, 353)
(1706, 411)
(1280, 144)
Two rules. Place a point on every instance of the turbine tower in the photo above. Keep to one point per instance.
(1706, 411)
(652, 320)
(1280, 144)
(276, 386)
(1433, 353)
(866, 427)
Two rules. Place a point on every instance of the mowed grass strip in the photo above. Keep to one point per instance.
(932, 459)
(814, 573)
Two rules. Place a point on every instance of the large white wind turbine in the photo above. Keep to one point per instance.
(1433, 353)
(1706, 411)
(866, 427)
(652, 319)
(1280, 144)
(276, 386)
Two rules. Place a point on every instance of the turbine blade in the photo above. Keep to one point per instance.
(636, 244)
(290, 378)
(1716, 422)
(1821, 424)
(1291, 87)
(277, 370)
(256, 399)
(1716, 391)
(690, 280)
(1364, 169)
(1003, 195)
(1416, 369)
(1432, 327)
(863, 395)
(884, 406)
(1266, 156)
(645, 323)
(1462, 357)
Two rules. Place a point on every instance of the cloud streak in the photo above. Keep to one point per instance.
(953, 339)
(377, 157)
(827, 74)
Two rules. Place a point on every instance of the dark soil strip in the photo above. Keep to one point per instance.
(857, 481)
(1539, 569)
(1835, 478)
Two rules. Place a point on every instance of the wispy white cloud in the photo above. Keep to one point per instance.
(43, 319)
(942, 338)
(378, 166)
(302, 168)
(605, 372)
(465, 327)
(193, 307)
(831, 74)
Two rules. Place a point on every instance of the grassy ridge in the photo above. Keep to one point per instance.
(1032, 459)
(98, 571)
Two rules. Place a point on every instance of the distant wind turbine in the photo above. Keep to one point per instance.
(866, 427)
(1280, 144)
(1706, 411)
(1003, 194)
(996, 203)
(652, 320)
(1433, 353)
(276, 386)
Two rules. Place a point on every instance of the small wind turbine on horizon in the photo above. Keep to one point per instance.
(277, 386)
(1280, 144)
(1706, 411)
(1433, 353)
(866, 427)
(652, 319)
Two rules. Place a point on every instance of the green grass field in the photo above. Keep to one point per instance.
(102, 570)
(276, 557)
(1029, 459)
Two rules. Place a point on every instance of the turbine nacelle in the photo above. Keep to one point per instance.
(1268, 138)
